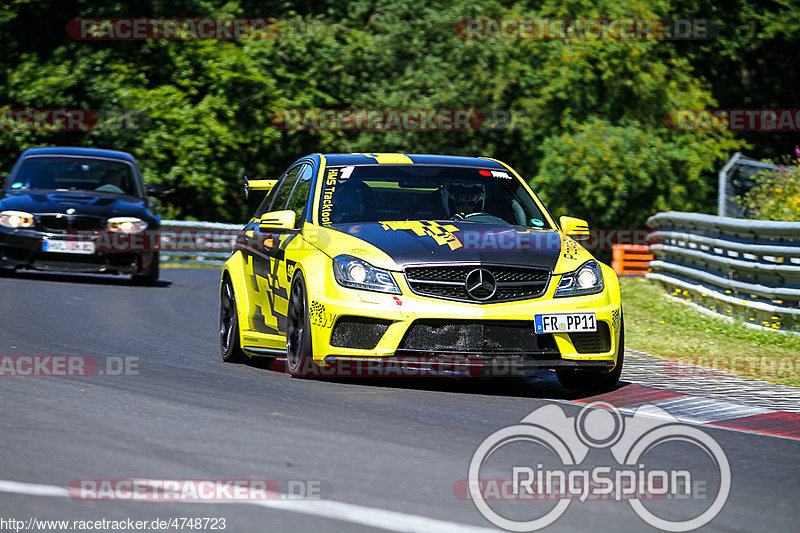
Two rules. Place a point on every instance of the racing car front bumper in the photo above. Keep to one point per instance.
(364, 330)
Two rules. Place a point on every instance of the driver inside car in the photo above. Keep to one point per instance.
(111, 182)
(464, 199)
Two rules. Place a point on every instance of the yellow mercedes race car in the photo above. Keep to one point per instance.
(355, 263)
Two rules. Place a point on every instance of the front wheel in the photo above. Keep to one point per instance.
(299, 356)
(595, 379)
(151, 277)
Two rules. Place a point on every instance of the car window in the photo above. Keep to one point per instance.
(299, 198)
(372, 193)
(283, 188)
(277, 198)
(75, 174)
(263, 207)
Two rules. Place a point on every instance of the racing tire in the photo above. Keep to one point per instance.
(151, 278)
(299, 355)
(595, 380)
(230, 349)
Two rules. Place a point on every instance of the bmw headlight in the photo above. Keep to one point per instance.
(357, 274)
(588, 279)
(16, 219)
(126, 224)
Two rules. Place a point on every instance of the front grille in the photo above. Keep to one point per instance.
(482, 337)
(358, 332)
(68, 262)
(64, 223)
(449, 282)
(594, 341)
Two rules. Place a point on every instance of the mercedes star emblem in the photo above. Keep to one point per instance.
(480, 284)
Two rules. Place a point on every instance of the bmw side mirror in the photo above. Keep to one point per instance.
(159, 190)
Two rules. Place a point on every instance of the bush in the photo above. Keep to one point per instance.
(617, 176)
(777, 195)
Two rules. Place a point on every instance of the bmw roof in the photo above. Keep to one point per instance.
(410, 159)
(65, 150)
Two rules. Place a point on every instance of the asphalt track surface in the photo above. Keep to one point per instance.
(387, 453)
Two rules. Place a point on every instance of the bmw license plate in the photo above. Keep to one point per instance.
(68, 247)
(565, 323)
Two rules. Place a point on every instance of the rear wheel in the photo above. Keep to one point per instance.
(299, 356)
(595, 379)
(229, 326)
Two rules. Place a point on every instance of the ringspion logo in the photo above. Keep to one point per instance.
(542, 460)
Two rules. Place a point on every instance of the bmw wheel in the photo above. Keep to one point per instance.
(151, 277)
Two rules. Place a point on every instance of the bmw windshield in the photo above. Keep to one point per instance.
(74, 173)
(377, 193)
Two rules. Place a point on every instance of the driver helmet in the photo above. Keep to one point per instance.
(464, 197)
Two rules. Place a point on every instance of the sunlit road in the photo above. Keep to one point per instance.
(385, 454)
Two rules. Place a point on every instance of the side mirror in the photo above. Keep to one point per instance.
(257, 185)
(277, 220)
(576, 228)
(159, 190)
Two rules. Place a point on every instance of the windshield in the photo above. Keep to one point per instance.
(74, 173)
(370, 193)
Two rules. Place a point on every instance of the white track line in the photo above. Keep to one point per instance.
(333, 510)
(32, 489)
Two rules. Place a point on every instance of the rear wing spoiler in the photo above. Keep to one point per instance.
(257, 185)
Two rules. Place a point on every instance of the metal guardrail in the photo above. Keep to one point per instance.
(197, 243)
(746, 269)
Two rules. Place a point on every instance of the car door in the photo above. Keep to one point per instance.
(263, 257)
(289, 246)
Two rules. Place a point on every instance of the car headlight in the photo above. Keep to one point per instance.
(16, 219)
(357, 274)
(126, 224)
(588, 279)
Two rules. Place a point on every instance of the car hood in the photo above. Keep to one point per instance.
(410, 242)
(84, 203)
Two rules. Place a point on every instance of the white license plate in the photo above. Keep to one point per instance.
(68, 247)
(565, 323)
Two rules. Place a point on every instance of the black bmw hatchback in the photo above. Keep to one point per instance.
(78, 210)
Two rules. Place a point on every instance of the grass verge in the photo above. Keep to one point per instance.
(677, 332)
